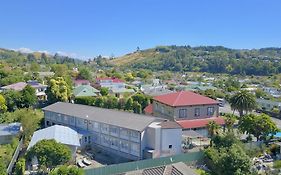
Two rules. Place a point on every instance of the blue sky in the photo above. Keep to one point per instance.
(87, 28)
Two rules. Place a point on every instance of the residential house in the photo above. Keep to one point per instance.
(80, 82)
(85, 91)
(39, 88)
(9, 131)
(129, 135)
(110, 83)
(272, 91)
(155, 90)
(268, 105)
(121, 92)
(188, 109)
(178, 168)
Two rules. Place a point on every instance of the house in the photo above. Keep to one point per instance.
(178, 168)
(188, 109)
(62, 134)
(80, 82)
(268, 105)
(85, 91)
(39, 88)
(124, 134)
(155, 90)
(9, 131)
(272, 91)
(120, 92)
(110, 83)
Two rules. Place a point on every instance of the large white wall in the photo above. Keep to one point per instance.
(171, 137)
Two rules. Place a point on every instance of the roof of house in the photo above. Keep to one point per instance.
(149, 109)
(21, 85)
(10, 129)
(178, 168)
(169, 125)
(122, 90)
(199, 123)
(61, 134)
(78, 81)
(16, 86)
(85, 91)
(114, 80)
(122, 119)
(184, 98)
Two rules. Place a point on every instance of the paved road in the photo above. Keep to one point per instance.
(227, 109)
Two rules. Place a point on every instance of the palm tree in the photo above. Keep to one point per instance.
(243, 101)
(212, 128)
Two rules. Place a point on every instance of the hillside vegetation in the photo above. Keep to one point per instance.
(213, 59)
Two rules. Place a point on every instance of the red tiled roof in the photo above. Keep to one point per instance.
(114, 80)
(184, 98)
(199, 123)
(148, 109)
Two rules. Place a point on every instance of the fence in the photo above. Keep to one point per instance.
(15, 156)
(142, 164)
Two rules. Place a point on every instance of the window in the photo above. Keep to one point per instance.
(85, 139)
(124, 133)
(197, 112)
(89, 139)
(170, 146)
(96, 126)
(135, 149)
(182, 113)
(104, 128)
(124, 146)
(210, 111)
(113, 130)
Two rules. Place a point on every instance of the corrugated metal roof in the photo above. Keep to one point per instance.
(85, 91)
(61, 134)
(122, 119)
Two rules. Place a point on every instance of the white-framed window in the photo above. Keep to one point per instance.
(210, 111)
(104, 128)
(197, 112)
(135, 136)
(182, 113)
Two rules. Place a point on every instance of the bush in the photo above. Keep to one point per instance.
(85, 100)
(20, 167)
(277, 164)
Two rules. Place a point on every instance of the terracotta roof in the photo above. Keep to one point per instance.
(169, 125)
(199, 123)
(148, 109)
(114, 80)
(184, 98)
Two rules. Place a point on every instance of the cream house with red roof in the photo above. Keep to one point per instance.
(188, 109)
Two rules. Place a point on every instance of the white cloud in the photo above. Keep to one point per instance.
(62, 53)
(24, 50)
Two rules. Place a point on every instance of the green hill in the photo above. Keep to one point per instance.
(213, 59)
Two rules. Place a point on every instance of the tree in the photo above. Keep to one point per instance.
(212, 128)
(2, 167)
(29, 97)
(136, 107)
(3, 106)
(229, 121)
(58, 90)
(258, 125)
(85, 73)
(260, 93)
(50, 153)
(129, 76)
(111, 102)
(99, 102)
(20, 167)
(243, 101)
(231, 160)
(104, 91)
(13, 99)
(129, 104)
(34, 67)
(60, 70)
(67, 170)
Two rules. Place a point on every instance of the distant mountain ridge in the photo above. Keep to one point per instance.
(214, 59)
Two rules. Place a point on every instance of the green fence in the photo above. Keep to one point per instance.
(142, 164)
